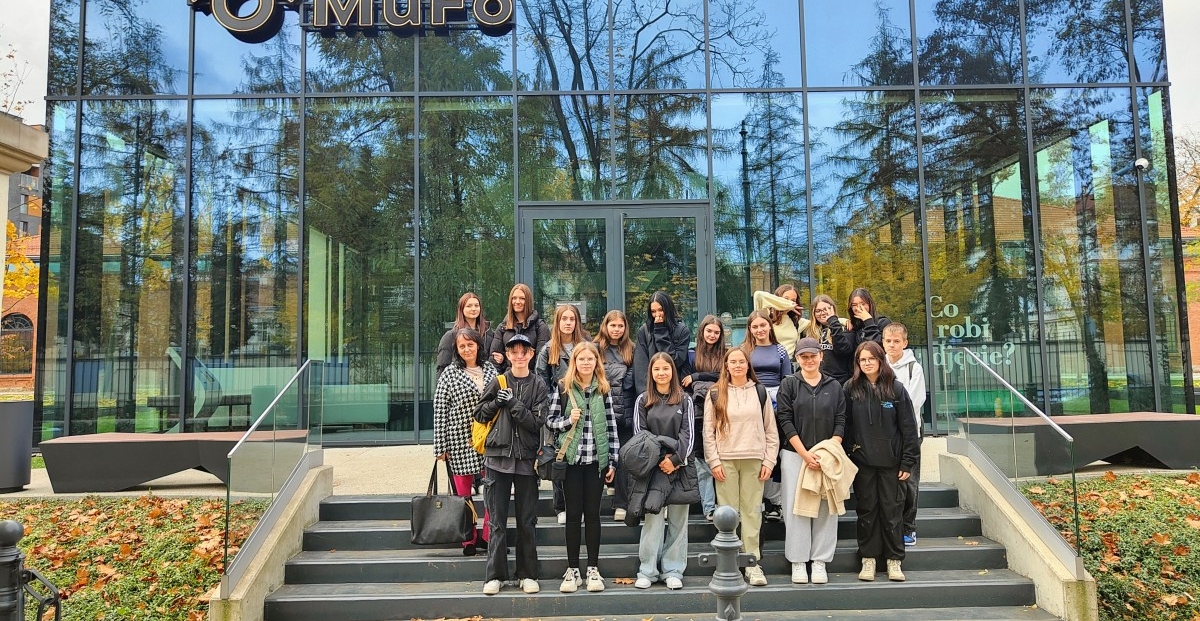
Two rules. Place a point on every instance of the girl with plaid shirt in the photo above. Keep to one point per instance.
(581, 415)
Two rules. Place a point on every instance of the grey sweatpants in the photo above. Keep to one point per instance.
(806, 539)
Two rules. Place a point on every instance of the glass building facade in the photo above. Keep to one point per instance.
(220, 211)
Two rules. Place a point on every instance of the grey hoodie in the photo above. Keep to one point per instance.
(912, 376)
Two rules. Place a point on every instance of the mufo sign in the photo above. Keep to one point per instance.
(255, 21)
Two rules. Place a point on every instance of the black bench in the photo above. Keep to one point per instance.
(1151, 439)
(111, 462)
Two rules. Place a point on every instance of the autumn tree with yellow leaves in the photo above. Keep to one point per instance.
(20, 275)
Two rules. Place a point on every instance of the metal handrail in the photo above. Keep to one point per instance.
(1020, 396)
(270, 407)
(1066, 436)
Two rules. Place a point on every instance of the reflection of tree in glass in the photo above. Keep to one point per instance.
(976, 42)
(1092, 45)
(129, 63)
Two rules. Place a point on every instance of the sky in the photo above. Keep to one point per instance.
(25, 24)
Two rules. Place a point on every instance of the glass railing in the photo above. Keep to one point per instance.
(1016, 436)
(275, 446)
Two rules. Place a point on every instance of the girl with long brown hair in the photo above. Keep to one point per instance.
(469, 315)
(520, 318)
(616, 353)
(741, 445)
(836, 342)
(706, 360)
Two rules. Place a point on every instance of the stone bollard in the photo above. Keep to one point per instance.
(727, 582)
(15, 578)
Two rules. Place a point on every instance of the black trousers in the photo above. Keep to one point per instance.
(622, 483)
(583, 488)
(524, 489)
(910, 500)
(880, 497)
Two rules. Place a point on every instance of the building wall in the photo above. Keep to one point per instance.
(341, 199)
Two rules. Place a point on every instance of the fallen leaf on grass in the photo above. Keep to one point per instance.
(1110, 476)
(1173, 600)
(1193, 521)
(1036, 490)
(623, 581)
(1143, 493)
(1182, 550)
(1161, 539)
(1194, 478)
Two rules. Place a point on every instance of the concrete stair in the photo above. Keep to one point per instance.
(358, 564)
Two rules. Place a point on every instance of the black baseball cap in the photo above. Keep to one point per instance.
(518, 339)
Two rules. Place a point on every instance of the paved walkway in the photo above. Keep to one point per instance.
(365, 470)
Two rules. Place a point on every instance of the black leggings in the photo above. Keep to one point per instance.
(583, 488)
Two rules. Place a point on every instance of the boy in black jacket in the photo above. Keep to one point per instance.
(511, 447)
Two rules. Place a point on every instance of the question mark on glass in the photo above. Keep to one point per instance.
(1009, 348)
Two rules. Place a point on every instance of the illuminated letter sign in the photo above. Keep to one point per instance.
(493, 17)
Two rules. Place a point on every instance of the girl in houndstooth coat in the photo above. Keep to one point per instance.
(454, 401)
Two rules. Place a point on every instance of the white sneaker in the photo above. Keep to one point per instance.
(674, 583)
(571, 581)
(818, 573)
(595, 582)
(894, 573)
(530, 586)
(618, 515)
(799, 573)
(755, 575)
(492, 587)
(868, 570)
(642, 583)
(562, 517)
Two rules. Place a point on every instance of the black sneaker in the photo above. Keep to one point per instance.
(773, 513)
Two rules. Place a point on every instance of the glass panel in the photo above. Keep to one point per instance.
(222, 64)
(660, 255)
(866, 225)
(59, 175)
(563, 45)
(466, 60)
(839, 53)
(759, 197)
(242, 332)
(128, 295)
(64, 48)
(466, 210)
(564, 148)
(1080, 41)
(359, 268)
(1149, 47)
(754, 44)
(353, 64)
(659, 44)
(1156, 193)
(570, 264)
(1094, 283)
(981, 266)
(136, 47)
(965, 42)
(661, 147)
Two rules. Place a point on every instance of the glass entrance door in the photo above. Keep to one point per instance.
(616, 257)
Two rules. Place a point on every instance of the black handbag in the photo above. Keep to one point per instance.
(550, 465)
(442, 519)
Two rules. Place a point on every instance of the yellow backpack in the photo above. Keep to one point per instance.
(479, 431)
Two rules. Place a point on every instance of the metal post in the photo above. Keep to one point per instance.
(746, 215)
(15, 579)
(12, 602)
(727, 582)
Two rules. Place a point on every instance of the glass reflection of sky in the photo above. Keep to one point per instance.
(1149, 48)
(593, 32)
(743, 33)
(838, 36)
(666, 37)
(220, 61)
(108, 27)
(1052, 60)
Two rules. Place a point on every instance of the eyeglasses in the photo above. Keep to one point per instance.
(871, 360)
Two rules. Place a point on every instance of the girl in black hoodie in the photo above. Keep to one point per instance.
(865, 322)
(837, 343)
(520, 319)
(881, 439)
(662, 332)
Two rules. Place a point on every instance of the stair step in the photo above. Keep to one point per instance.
(396, 534)
(990, 613)
(398, 507)
(616, 560)
(384, 601)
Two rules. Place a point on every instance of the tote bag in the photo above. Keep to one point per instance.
(442, 519)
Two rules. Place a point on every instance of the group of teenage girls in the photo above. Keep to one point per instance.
(669, 425)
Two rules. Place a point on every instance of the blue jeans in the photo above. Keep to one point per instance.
(708, 492)
(663, 543)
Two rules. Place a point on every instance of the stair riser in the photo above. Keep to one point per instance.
(454, 569)
(399, 537)
(399, 508)
(511, 603)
